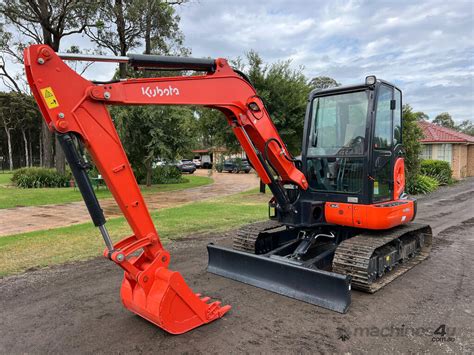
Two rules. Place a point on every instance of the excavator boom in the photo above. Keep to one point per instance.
(76, 109)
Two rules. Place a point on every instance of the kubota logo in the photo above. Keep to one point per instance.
(157, 91)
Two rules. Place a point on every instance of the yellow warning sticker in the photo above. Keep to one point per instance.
(49, 97)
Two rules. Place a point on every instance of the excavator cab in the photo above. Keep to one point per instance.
(351, 133)
(352, 156)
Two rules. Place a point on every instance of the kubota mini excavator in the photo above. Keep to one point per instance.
(339, 216)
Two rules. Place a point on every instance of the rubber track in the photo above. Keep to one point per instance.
(353, 255)
(247, 235)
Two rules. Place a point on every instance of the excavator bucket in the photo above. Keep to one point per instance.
(167, 301)
(318, 287)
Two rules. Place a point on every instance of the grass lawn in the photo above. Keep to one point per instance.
(5, 178)
(15, 197)
(83, 241)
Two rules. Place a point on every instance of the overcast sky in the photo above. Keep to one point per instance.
(425, 47)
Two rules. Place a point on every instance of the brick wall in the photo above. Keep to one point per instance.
(470, 160)
(459, 161)
(463, 161)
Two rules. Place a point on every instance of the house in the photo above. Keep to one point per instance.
(441, 143)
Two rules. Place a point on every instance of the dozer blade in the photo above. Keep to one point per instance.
(167, 301)
(318, 287)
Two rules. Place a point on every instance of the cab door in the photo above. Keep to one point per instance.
(386, 142)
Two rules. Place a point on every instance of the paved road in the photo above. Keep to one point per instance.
(28, 219)
(76, 308)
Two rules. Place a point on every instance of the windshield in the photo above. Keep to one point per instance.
(338, 124)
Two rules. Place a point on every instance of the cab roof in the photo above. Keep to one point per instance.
(348, 88)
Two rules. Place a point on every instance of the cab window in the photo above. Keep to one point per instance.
(383, 122)
(397, 118)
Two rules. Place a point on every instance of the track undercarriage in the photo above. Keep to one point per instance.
(375, 258)
(334, 258)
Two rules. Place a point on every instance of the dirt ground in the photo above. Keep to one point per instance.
(76, 308)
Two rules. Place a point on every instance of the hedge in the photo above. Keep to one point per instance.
(421, 184)
(40, 177)
(437, 169)
(165, 174)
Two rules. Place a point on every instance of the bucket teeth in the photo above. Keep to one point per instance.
(223, 310)
(170, 303)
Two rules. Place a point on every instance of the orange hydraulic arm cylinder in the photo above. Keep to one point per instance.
(72, 105)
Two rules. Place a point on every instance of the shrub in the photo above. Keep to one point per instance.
(437, 169)
(412, 134)
(220, 165)
(39, 177)
(238, 164)
(421, 184)
(164, 174)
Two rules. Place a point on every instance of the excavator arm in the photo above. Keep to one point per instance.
(76, 109)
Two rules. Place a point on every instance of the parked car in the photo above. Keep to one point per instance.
(197, 162)
(186, 166)
(158, 162)
(236, 166)
(203, 161)
(206, 162)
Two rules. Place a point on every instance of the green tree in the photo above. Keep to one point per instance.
(149, 132)
(214, 131)
(8, 122)
(27, 116)
(466, 126)
(284, 91)
(412, 135)
(323, 82)
(123, 25)
(444, 119)
(18, 112)
(421, 116)
(45, 22)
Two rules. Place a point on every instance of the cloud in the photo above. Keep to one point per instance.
(424, 47)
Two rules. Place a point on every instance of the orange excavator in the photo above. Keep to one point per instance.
(338, 218)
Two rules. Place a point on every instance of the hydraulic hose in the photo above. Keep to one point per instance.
(280, 146)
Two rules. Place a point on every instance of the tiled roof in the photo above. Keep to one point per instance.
(434, 134)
